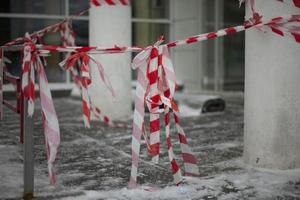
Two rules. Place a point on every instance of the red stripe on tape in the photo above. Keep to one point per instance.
(277, 31)
(85, 109)
(297, 3)
(192, 40)
(182, 139)
(167, 119)
(173, 44)
(110, 2)
(124, 2)
(169, 144)
(188, 158)
(155, 99)
(212, 35)
(176, 119)
(297, 37)
(230, 30)
(154, 149)
(152, 77)
(154, 125)
(95, 2)
(106, 119)
(174, 165)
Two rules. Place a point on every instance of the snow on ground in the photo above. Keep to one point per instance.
(249, 183)
(187, 111)
(10, 171)
(95, 163)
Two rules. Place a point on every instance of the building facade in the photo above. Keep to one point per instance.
(211, 65)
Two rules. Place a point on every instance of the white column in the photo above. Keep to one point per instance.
(187, 21)
(272, 95)
(110, 25)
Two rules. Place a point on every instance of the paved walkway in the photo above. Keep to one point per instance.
(95, 163)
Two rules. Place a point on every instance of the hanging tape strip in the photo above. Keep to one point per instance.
(32, 63)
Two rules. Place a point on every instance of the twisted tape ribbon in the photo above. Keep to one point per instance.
(85, 80)
(155, 88)
(31, 63)
(289, 27)
(97, 3)
(68, 39)
(256, 18)
(295, 3)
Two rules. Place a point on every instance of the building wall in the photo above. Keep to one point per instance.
(202, 66)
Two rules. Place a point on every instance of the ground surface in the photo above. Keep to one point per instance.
(95, 163)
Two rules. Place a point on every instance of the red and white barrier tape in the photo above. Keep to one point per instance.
(292, 3)
(35, 35)
(189, 160)
(85, 59)
(286, 27)
(68, 39)
(56, 27)
(156, 83)
(174, 165)
(97, 3)
(67, 34)
(50, 121)
(155, 88)
(153, 75)
(32, 63)
(28, 76)
(284, 20)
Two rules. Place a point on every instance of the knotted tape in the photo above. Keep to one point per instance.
(31, 63)
(84, 59)
(155, 89)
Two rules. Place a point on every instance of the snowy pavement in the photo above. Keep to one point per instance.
(95, 163)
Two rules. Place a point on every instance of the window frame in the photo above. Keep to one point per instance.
(67, 84)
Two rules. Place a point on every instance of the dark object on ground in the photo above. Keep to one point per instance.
(207, 103)
(213, 105)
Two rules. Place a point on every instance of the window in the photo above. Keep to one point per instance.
(224, 64)
(150, 20)
(18, 17)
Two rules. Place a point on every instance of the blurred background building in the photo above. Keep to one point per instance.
(216, 65)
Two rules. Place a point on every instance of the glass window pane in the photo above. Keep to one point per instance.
(210, 14)
(209, 66)
(145, 34)
(55, 7)
(150, 9)
(16, 28)
(234, 58)
(233, 55)
(81, 29)
(54, 72)
(233, 13)
(234, 61)
(76, 6)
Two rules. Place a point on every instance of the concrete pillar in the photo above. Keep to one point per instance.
(272, 95)
(110, 25)
(187, 21)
